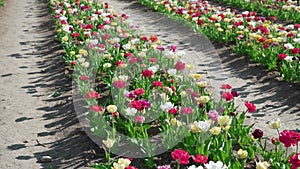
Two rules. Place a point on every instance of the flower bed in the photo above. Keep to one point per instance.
(283, 9)
(273, 45)
(154, 104)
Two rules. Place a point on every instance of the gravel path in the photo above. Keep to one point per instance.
(33, 123)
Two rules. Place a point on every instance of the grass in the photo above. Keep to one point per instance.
(1, 3)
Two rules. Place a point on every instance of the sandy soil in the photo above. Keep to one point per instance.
(34, 123)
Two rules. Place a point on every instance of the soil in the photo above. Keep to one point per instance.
(37, 116)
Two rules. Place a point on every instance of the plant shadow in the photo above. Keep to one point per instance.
(72, 148)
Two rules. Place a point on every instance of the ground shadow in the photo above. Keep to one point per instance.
(73, 149)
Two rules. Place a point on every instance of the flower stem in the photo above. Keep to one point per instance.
(276, 152)
(260, 145)
(108, 156)
(278, 132)
(178, 164)
(243, 162)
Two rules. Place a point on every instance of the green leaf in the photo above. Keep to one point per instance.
(251, 153)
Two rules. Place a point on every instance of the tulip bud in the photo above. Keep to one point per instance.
(275, 141)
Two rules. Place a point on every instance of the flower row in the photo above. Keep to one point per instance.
(155, 103)
(283, 9)
(273, 45)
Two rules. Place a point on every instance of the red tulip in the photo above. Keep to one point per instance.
(227, 96)
(147, 73)
(257, 133)
(139, 91)
(295, 51)
(92, 95)
(179, 66)
(250, 106)
(225, 86)
(289, 138)
(295, 161)
(181, 156)
(119, 84)
(200, 159)
(281, 56)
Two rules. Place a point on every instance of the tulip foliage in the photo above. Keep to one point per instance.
(273, 45)
(282, 9)
(140, 99)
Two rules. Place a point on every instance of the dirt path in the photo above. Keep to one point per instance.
(31, 73)
(33, 123)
